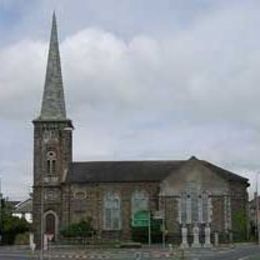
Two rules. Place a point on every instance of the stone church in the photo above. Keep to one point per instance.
(196, 198)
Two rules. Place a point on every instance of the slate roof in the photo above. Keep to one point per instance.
(24, 206)
(134, 171)
(228, 175)
(53, 102)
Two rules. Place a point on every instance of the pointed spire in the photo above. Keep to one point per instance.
(53, 103)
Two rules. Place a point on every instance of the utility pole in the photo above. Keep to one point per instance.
(1, 213)
(257, 211)
(149, 229)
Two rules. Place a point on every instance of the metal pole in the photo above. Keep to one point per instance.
(257, 210)
(163, 236)
(163, 220)
(149, 230)
(1, 222)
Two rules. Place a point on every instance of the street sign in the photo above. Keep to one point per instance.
(141, 219)
(159, 214)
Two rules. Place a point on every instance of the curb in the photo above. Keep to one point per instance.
(80, 256)
(137, 255)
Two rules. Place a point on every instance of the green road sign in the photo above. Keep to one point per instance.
(141, 219)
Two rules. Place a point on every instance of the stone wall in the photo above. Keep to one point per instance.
(88, 200)
(76, 207)
(50, 136)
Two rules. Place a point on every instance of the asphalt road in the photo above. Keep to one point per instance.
(249, 252)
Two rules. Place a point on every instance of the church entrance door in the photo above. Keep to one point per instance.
(50, 226)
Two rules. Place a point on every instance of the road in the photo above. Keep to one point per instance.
(249, 252)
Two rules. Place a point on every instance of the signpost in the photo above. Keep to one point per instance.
(160, 215)
(143, 219)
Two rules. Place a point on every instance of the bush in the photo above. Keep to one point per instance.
(82, 230)
(239, 226)
(22, 239)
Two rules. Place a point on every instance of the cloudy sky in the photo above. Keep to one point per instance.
(144, 79)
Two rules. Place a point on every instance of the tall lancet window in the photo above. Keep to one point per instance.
(194, 207)
(51, 163)
(139, 202)
(204, 208)
(112, 211)
(185, 208)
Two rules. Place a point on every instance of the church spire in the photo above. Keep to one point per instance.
(53, 103)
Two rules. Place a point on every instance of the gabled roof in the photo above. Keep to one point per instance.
(228, 175)
(135, 171)
(120, 171)
(24, 206)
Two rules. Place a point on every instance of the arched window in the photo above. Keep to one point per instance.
(112, 212)
(185, 208)
(194, 207)
(139, 202)
(51, 163)
(188, 209)
(204, 205)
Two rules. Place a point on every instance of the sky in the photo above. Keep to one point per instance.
(143, 80)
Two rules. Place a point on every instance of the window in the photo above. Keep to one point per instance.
(139, 202)
(51, 163)
(194, 208)
(112, 214)
(188, 209)
(205, 206)
(184, 208)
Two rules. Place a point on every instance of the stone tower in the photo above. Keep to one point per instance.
(52, 148)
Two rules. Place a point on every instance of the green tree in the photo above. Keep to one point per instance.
(82, 230)
(240, 225)
(10, 226)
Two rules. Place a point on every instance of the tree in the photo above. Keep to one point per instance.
(81, 230)
(11, 225)
(240, 225)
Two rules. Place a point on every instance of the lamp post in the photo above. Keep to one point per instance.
(1, 213)
(257, 210)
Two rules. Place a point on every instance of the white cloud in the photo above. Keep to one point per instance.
(146, 96)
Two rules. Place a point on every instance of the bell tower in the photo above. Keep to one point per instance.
(52, 148)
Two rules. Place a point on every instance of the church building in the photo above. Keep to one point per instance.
(195, 198)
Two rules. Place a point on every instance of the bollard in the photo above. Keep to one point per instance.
(33, 246)
(170, 249)
(216, 240)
